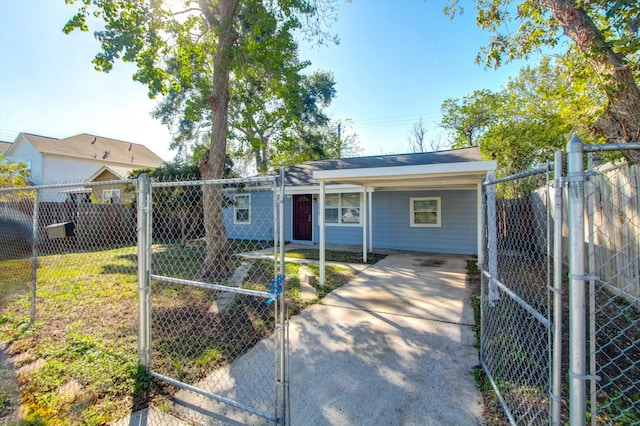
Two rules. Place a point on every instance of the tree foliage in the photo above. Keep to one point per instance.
(191, 50)
(604, 43)
(530, 118)
(12, 174)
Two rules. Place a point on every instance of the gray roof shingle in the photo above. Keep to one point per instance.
(302, 174)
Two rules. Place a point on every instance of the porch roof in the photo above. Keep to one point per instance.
(461, 175)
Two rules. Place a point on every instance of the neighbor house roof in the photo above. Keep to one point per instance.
(302, 174)
(88, 146)
(4, 146)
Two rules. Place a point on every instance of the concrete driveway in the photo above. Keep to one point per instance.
(394, 346)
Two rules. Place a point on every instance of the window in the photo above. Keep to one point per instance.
(425, 211)
(242, 209)
(342, 208)
(111, 196)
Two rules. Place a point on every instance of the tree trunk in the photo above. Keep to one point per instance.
(621, 120)
(212, 166)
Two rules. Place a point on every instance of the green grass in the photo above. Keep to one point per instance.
(334, 256)
(82, 350)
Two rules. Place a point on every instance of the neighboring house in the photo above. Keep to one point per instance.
(79, 159)
(421, 202)
(4, 146)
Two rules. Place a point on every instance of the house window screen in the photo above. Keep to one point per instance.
(242, 209)
(425, 212)
(342, 209)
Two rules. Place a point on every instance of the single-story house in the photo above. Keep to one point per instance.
(79, 159)
(420, 202)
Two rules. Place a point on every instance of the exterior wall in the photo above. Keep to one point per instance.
(25, 152)
(391, 223)
(261, 219)
(456, 235)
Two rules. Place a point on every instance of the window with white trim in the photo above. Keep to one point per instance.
(425, 211)
(242, 209)
(342, 208)
(111, 196)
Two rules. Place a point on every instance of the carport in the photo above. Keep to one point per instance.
(443, 176)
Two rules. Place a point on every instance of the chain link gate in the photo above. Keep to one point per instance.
(560, 302)
(212, 312)
(516, 281)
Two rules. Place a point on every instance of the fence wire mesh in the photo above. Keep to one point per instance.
(515, 338)
(213, 320)
(67, 304)
(613, 237)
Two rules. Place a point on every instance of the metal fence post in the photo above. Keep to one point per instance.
(556, 372)
(492, 231)
(577, 308)
(35, 241)
(142, 194)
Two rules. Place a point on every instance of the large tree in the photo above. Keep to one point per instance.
(182, 45)
(604, 33)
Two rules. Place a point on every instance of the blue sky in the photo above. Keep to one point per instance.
(396, 62)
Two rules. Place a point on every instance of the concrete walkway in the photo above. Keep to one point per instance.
(395, 346)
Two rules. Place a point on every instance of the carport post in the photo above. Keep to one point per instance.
(369, 198)
(322, 236)
(364, 225)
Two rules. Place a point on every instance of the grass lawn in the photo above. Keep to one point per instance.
(78, 363)
(334, 256)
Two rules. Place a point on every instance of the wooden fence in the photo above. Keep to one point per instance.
(612, 220)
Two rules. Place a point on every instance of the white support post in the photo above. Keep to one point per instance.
(364, 224)
(369, 198)
(322, 236)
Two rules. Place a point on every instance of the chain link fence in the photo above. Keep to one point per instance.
(67, 303)
(560, 319)
(73, 318)
(516, 329)
(215, 327)
(613, 311)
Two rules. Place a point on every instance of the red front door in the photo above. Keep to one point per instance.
(302, 220)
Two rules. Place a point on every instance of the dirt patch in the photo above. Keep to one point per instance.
(31, 367)
(69, 391)
(429, 262)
